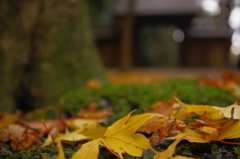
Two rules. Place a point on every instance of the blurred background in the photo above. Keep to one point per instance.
(48, 48)
(173, 33)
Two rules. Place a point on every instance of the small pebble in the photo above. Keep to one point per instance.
(186, 153)
(53, 157)
(224, 151)
(229, 155)
(208, 156)
(146, 153)
(218, 155)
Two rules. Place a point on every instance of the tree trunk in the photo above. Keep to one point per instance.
(48, 49)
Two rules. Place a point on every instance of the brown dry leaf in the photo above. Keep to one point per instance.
(203, 121)
(53, 125)
(11, 130)
(26, 140)
(169, 127)
(165, 108)
(192, 136)
(229, 129)
(91, 112)
(153, 124)
(7, 119)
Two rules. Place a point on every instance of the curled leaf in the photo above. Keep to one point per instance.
(169, 127)
(210, 111)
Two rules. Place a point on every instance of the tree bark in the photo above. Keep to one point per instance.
(47, 49)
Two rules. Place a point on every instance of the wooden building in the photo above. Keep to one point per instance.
(206, 39)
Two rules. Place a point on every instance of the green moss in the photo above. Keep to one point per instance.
(126, 97)
(237, 151)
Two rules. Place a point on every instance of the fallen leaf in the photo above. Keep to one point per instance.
(192, 136)
(153, 124)
(27, 140)
(230, 130)
(119, 138)
(77, 123)
(48, 141)
(92, 132)
(12, 129)
(182, 157)
(164, 108)
(51, 124)
(7, 119)
(89, 150)
(168, 128)
(180, 112)
(91, 112)
(60, 151)
(204, 121)
(230, 111)
(170, 150)
(210, 111)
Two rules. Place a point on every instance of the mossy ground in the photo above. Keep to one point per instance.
(126, 97)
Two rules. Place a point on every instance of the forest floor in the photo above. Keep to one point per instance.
(104, 120)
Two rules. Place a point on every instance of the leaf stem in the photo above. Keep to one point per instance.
(48, 131)
(232, 143)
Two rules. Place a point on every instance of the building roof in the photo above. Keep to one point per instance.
(160, 7)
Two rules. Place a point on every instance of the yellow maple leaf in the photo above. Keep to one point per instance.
(170, 150)
(7, 119)
(60, 151)
(88, 150)
(92, 132)
(76, 123)
(48, 141)
(119, 138)
(210, 111)
(231, 131)
(180, 112)
(182, 157)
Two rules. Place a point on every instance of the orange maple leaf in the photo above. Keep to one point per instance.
(91, 112)
(27, 140)
(165, 108)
